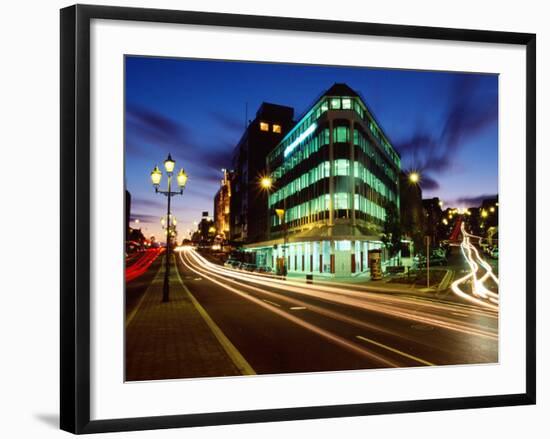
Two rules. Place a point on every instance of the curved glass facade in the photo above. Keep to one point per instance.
(333, 175)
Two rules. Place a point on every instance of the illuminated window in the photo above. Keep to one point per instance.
(341, 200)
(335, 104)
(276, 128)
(341, 167)
(341, 134)
(346, 104)
(264, 126)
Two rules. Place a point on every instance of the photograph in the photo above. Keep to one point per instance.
(296, 218)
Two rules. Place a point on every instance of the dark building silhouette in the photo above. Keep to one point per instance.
(248, 203)
(127, 206)
(205, 232)
(411, 211)
(434, 216)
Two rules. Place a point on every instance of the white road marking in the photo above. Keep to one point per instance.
(397, 351)
(271, 303)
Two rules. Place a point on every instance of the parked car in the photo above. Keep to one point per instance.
(231, 263)
(420, 261)
(249, 267)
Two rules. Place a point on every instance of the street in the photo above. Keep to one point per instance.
(286, 326)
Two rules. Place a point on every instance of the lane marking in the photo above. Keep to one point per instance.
(311, 327)
(296, 308)
(240, 362)
(460, 314)
(397, 351)
(271, 303)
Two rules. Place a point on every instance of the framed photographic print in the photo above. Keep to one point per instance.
(269, 218)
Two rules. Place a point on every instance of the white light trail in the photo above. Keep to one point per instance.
(480, 294)
(398, 307)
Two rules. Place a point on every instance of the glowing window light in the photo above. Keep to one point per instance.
(264, 126)
(300, 139)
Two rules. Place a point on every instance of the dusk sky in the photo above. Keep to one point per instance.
(444, 125)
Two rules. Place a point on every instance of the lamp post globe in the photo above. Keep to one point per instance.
(182, 178)
(169, 164)
(156, 176)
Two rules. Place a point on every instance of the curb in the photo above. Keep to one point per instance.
(445, 282)
(236, 357)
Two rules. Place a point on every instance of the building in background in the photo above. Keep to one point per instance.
(222, 205)
(127, 207)
(433, 210)
(333, 175)
(248, 211)
(412, 216)
(483, 220)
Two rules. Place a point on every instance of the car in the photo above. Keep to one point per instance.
(249, 267)
(231, 263)
(435, 259)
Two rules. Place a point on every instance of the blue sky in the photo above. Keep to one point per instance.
(443, 124)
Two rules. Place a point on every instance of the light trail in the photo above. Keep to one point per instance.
(291, 317)
(357, 292)
(416, 311)
(480, 294)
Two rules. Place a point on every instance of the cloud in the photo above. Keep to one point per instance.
(146, 203)
(475, 201)
(228, 122)
(147, 129)
(468, 115)
(428, 183)
(155, 128)
(144, 218)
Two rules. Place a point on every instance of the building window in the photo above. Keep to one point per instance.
(335, 104)
(346, 104)
(341, 134)
(264, 126)
(341, 200)
(276, 128)
(341, 167)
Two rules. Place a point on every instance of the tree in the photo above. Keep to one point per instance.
(391, 232)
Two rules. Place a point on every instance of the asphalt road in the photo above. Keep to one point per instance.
(137, 287)
(284, 326)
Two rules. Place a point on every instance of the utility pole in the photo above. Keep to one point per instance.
(428, 261)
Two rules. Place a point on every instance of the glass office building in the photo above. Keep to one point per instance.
(333, 176)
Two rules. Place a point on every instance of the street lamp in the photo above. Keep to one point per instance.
(266, 183)
(414, 177)
(156, 176)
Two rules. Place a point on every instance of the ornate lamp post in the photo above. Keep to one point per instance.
(156, 176)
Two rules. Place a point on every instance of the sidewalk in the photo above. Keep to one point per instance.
(176, 339)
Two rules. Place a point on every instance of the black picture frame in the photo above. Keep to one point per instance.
(75, 217)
